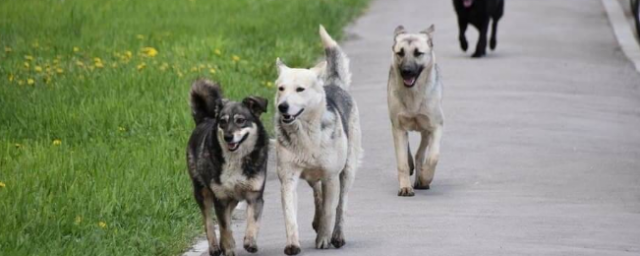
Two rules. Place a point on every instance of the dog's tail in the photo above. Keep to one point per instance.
(337, 71)
(205, 99)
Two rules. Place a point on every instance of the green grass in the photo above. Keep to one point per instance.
(96, 135)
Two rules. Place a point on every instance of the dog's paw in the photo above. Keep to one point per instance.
(229, 253)
(215, 251)
(292, 250)
(464, 44)
(338, 240)
(477, 55)
(250, 245)
(493, 43)
(420, 186)
(323, 242)
(408, 191)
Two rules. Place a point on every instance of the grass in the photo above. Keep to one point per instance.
(94, 116)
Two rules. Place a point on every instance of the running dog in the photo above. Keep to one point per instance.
(318, 139)
(414, 95)
(227, 160)
(479, 13)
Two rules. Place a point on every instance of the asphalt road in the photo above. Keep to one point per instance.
(541, 151)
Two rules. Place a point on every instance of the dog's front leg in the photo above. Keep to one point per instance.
(422, 149)
(330, 198)
(224, 210)
(204, 197)
(317, 200)
(462, 25)
(254, 214)
(481, 47)
(401, 140)
(289, 180)
(425, 177)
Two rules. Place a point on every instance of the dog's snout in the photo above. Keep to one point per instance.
(228, 138)
(283, 107)
(406, 72)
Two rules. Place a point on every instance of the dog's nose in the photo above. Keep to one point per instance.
(406, 72)
(283, 107)
(228, 138)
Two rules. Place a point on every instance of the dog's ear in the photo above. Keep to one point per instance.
(399, 30)
(429, 32)
(257, 105)
(281, 66)
(320, 68)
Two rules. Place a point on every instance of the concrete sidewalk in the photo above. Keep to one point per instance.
(541, 153)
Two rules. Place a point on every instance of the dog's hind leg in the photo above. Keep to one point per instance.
(204, 198)
(400, 140)
(425, 177)
(494, 25)
(224, 210)
(481, 47)
(254, 215)
(346, 180)
(422, 149)
(317, 199)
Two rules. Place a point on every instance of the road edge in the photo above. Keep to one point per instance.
(623, 31)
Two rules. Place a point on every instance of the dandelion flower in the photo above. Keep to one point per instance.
(141, 66)
(102, 224)
(18, 145)
(235, 58)
(149, 51)
(30, 81)
(57, 142)
(10, 77)
(122, 129)
(2, 185)
(78, 220)
(128, 54)
(217, 52)
(28, 57)
(26, 65)
(59, 71)
(99, 65)
(96, 59)
(76, 49)
(269, 84)
(37, 69)
(212, 70)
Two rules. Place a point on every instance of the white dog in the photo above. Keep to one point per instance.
(318, 139)
(414, 95)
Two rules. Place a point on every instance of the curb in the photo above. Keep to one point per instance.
(623, 31)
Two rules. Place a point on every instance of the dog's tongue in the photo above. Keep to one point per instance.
(467, 3)
(409, 81)
(232, 145)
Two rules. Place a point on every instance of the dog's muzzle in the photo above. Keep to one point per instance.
(467, 3)
(287, 119)
(233, 146)
(409, 77)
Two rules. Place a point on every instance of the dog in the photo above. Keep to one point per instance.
(317, 139)
(414, 96)
(227, 161)
(479, 13)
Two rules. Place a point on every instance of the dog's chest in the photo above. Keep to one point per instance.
(413, 122)
(233, 182)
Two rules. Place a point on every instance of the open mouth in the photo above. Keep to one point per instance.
(467, 3)
(287, 119)
(409, 81)
(233, 146)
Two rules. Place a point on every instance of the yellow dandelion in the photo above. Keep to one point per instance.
(141, 66)
(76, 49)
(7, 49)
(59, 71)
(57, 142)
(79, 63)
(235, 58)
(28, 57)
(97, 60)
(10, 77)
(2, 185)
(37, 69)
(122, 129)
(102, 224)
(18, 145)
(78, 220)
(26, 65)
(99, 65)
(30, 81)
(212, 70)
(269, 84)
(128, 54)
(217, 52)
(149, 52)
(140, 37)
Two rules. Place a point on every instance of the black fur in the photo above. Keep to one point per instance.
(479, 14)
(341, 103)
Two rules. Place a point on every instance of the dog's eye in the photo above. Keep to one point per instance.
(281, 88)
(223, 121)
(417, 53)
(400, 53)
(240, 121)
(299, 89)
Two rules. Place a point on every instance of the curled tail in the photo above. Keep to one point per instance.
(337, 70)
(205, 99)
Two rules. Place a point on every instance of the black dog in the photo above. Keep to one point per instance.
(227, 160)
(479, 13)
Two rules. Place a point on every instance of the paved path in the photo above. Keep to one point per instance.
(541, 154)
